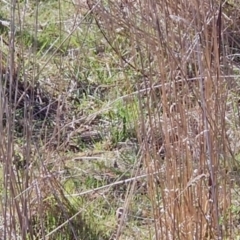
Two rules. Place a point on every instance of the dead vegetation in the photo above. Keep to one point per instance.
(177, 78)
(182, 44)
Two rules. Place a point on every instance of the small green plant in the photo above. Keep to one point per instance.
(122, 119)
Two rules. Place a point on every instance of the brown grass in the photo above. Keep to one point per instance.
(179, 50)
(179, 60)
